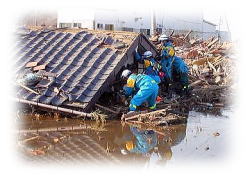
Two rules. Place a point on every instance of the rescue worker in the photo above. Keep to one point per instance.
(142, 87)
(151, 66)
(145, 140)
(166, 41)
(174, 68)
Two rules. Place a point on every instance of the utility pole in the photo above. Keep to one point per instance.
(153, 23)
(219, 28)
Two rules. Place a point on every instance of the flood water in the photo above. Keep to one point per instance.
(68, 141)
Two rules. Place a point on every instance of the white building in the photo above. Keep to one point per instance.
(76, 17)
(137, 21)
(208, 29)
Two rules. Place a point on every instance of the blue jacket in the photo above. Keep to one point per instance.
(142, 144)
(176, 64)
(165, 49)
(169, 43)
(138, 82)
(144, 89)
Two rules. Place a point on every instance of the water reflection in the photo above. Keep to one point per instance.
(124, 142)
(143, 141)
(147, 145)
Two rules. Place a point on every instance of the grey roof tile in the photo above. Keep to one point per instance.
(81, 65)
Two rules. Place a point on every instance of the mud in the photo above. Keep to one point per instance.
(62, 140)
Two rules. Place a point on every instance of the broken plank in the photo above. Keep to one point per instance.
(31, 64)
(144, 114)
(27, 88)
(107, 109)
(29, 139)
(211, 66)
(40, 67)
(134, 123)
(213, 42)
(187, 34)
(171, 34)
(197, 82)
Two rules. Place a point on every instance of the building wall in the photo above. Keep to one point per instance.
(208, 27)
(168, 19)
(67, 17)
(224, 35)
(136, 20)
(123, 20)
(139, 21)
(208, 30)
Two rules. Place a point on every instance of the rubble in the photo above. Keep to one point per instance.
(161, 117)
(210, 64)
(211, 67)
(211, 76)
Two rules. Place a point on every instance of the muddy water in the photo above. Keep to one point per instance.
(62, 140)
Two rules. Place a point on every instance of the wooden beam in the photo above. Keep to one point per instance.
(124, 117)
(213, 42)
(187, 34)
(55, 108)
(27, 88)
(107, 109)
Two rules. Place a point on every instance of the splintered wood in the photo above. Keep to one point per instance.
(211, 71)
(153, 118)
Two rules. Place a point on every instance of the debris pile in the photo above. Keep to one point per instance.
(161, 117)
(211, 67)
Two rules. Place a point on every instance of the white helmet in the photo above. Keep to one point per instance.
(126, 73)
(124, 152)
(148, 54)
(163, 37)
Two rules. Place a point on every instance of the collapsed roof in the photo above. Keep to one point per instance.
(79, 65)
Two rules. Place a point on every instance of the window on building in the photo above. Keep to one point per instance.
(159, 30)
(145, 31)
(127, 29)
(99, 26)
(148, 31)
(77, 25)
(65, 25)
(109, 27)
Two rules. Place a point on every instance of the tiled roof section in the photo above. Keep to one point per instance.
(82, 62)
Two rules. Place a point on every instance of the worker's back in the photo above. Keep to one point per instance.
(142, 80)
(180, 65)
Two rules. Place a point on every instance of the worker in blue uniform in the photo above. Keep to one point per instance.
(151, 66)
(142, 87)
(174, 68)
(166, 41)
(145, 141)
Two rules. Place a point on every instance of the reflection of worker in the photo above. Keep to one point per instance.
(174, 67)
(146, 140)
(150, 64)
(165, 154)
(160, 156)
(142, 86)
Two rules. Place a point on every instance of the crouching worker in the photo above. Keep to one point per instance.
(142, 87)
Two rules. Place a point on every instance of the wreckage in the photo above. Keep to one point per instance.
(75, 71)
(63, 70)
